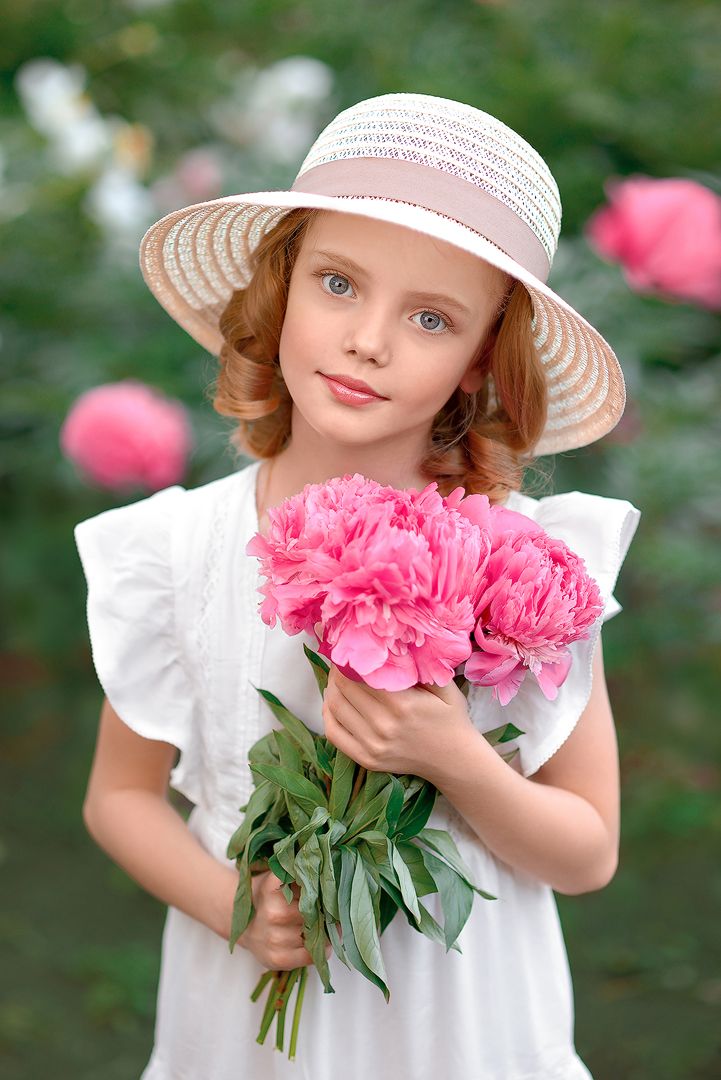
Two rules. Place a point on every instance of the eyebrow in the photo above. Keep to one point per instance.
(433, 297)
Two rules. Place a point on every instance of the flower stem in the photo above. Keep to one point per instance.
(296, 1014)
(262, 982)
(280, 1025)
(270, 1010)
(360, 777)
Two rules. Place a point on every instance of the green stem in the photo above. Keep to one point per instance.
(270, 1010)
(263, 981)
(296, 1014)
(280, 1025)
(360, 777)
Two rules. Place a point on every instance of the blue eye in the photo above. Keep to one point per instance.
(337, 284)
(429, 320)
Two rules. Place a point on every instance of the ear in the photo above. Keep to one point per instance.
(475, 374)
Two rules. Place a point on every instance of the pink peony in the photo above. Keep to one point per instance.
(536, 598)
(384, 578)
(125, 435)
(666, 234)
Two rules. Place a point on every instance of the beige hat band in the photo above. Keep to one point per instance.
(438, 191)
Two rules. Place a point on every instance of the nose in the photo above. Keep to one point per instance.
(368, 334)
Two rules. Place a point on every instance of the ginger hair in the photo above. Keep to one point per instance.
(482, 441)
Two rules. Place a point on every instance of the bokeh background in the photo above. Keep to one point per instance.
(113, 114)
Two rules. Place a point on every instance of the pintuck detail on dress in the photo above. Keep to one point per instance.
(179, 649)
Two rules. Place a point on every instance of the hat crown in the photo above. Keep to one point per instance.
(455, 139)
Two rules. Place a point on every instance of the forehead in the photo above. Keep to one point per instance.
(382, 250)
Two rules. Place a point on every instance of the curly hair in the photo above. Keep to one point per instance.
(481, 441)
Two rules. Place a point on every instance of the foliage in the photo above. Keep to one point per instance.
(356, 845)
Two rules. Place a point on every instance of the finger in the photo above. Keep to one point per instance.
(345, 741)
(355, 691)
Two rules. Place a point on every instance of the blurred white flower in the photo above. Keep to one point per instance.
(278, 110)
(120, 206)
(55, 103)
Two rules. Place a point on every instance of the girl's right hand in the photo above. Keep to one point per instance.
(274, 934)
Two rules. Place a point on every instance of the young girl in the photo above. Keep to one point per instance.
(388, 315)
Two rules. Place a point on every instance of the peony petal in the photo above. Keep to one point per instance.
(551, 676)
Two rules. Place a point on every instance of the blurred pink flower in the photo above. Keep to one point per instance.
(536, 598)
(382, 577)
(126, 435)
(666, 234)
(197, 177)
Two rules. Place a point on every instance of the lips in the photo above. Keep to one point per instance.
(355, 384)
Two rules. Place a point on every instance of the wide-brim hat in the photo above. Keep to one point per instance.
(434, 165)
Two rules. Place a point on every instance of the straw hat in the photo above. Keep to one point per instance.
(435, 165)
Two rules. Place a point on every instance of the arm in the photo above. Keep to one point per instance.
(127, 813)
(561, 825)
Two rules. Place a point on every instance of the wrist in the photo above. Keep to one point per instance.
(221, 897)
(461, 751)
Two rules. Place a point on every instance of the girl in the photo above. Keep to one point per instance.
(388, 315)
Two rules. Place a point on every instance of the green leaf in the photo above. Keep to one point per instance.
(350, 947)
(336, 829)
(264, 750)
(282, 874)
(292, 724)
(405, 881)
(369, 815)
(395, 803)
(427, 926)
(362, 917)
(328, 886)
(242, 903)
(502, 734)
(325, 758)
(315, 940)
(290, 756)
(374, 838)
(303, 791)
(321, 669)
(412, 856)
(259, 802)
(331, 927)
(431, 929)
(341, 784)
(307, 873)
(455, 895)
(441, 843)
(416, 813)
(263, 836)
(388, 910)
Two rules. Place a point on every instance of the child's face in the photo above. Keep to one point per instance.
(363, 302)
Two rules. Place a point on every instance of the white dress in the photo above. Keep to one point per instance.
(177, 643)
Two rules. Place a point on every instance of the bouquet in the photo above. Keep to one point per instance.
(398, 588)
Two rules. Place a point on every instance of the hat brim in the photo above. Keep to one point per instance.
(194, 258)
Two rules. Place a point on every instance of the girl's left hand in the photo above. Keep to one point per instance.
(398, 731)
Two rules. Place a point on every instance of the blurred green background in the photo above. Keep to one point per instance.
(183, 101)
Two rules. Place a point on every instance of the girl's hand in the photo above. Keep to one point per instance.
(274, 934)
(398, 731)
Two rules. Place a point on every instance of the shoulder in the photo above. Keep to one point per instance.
(175, 510)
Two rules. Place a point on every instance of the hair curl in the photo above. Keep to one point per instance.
(481, 441)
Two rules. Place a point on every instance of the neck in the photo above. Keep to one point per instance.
(310, 459)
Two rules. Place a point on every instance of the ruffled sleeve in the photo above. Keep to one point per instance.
(600, 530)
(130, 559)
